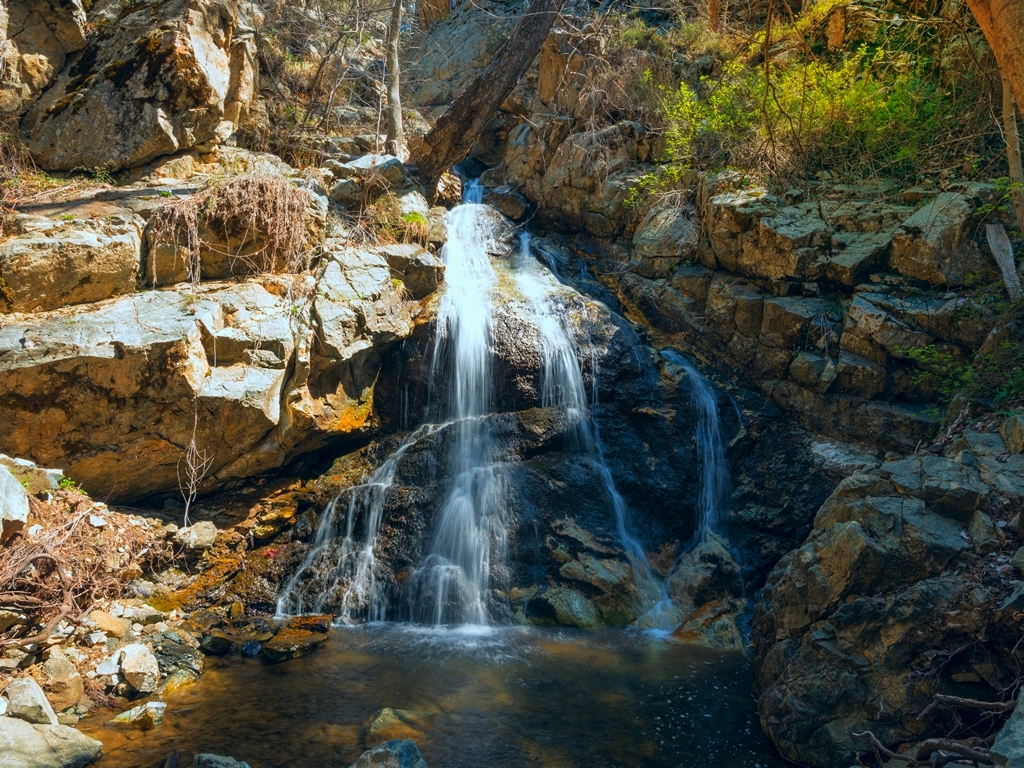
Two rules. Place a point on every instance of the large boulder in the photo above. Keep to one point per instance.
(140, 90)
(851, 625)
(23, 745)
(39, 36)
(51, 261)
(937, 244)
(111, 392)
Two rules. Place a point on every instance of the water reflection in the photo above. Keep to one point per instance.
(476, 696)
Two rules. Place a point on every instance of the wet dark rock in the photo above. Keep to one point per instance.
(392, 754)
(311, 623)
(291, 644)
(251, 649)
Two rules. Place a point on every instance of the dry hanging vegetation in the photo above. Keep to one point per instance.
(259, 221)
(63, 570)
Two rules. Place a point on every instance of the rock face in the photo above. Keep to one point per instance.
(23, 745)
(138, 91)
(40, 35)
(277, 366)
(580, 182)
(851, 625)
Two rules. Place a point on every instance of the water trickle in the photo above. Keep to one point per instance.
(714, 471)
(340, 567)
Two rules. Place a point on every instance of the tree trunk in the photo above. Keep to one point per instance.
(1002, 23)
(453, 135)
(1013, 153)
(394, 144)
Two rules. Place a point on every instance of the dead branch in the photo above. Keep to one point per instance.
(995, 706)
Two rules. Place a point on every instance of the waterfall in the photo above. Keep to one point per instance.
(714, 472)
(450, 586)
(340, 566)
(563, 387)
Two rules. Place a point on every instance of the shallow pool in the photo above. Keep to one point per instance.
(472, 698)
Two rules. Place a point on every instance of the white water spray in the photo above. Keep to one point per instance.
(340, 567)
(450, 586)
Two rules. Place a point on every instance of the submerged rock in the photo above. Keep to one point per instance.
(292, 643)
(44, 746)
(207, 760)
(144, 717)
(392, 754)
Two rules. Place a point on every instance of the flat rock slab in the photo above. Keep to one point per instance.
(24, 745)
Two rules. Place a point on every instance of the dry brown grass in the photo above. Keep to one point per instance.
(69, 566)
(261, 219)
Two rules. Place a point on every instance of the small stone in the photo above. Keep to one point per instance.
(1017, 561)
(140, 668)
(292, 643)
(144, 717)
(216, 761)
(983, 533)
(3, 706)
(109, 624)
(237, 611)
(69, 719)
(110, 666)
(63, 686)
(319, 623)
(217, 643)
(392, 754)
(96, 521)
(94, 638)
(252, 648)
(28, 702)
(197, 537)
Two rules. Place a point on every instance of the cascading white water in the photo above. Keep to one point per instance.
(450, 586)
(714, 471)
(340, 567)
(563, 387)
